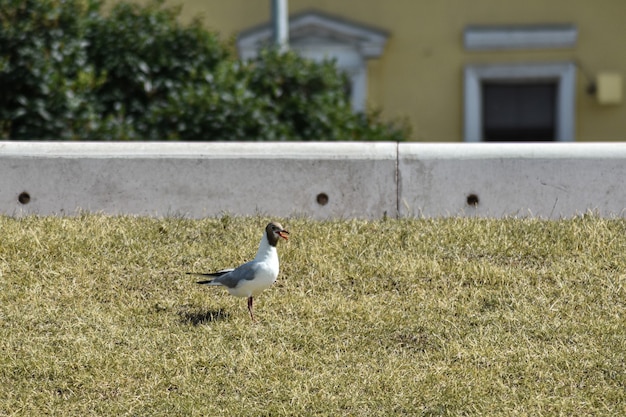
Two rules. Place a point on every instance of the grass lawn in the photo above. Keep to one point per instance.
(445, 317)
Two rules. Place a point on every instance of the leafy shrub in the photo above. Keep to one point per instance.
(68, 71)
(45, 77)
(146, 57)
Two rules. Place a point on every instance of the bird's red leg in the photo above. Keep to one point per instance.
(250, 308)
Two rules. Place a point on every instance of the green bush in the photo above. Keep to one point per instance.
(146, 58)
(45, 76)
(69, 71)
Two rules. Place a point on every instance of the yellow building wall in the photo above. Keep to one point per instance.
(420, 74)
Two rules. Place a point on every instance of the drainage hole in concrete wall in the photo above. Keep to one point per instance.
(472, 200)
(23, 198)
(322, 199)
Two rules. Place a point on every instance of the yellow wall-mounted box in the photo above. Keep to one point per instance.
(609, 88)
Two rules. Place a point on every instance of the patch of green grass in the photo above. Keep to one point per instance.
(392, 317)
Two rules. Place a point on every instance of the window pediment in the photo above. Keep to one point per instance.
(313, 25)
(478, 38)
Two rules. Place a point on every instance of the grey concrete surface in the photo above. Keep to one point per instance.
(547, 180)
(199, 179)
(321, 180)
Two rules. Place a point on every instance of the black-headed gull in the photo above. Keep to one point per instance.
(251, 278)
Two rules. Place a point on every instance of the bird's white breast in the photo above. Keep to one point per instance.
(265, 276)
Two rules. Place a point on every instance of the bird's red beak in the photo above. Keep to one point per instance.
(284, 234)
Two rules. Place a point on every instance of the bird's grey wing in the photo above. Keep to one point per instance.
(246, 271)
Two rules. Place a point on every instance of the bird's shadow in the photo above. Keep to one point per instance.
(197, 317)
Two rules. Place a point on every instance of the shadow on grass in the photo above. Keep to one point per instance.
(201, 317)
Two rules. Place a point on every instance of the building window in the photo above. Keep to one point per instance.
(519, 111)
(348, 60)
(319, 36)
(532, 102)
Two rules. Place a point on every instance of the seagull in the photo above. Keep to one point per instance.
(251, 278)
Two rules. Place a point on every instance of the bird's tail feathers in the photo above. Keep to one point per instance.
(210, 274)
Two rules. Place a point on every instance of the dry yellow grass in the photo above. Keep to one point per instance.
(391, 317)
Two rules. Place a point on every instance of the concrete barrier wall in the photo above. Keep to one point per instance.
(552, 180)
(200, 179)
(320, 180)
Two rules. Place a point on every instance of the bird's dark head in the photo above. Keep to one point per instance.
(274, 231)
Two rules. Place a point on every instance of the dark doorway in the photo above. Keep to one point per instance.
(520, 111)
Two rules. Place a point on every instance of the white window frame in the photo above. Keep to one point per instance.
(321, 36)
(564, 74)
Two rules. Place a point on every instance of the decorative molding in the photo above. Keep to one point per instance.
(369, 41)
(479, 38)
